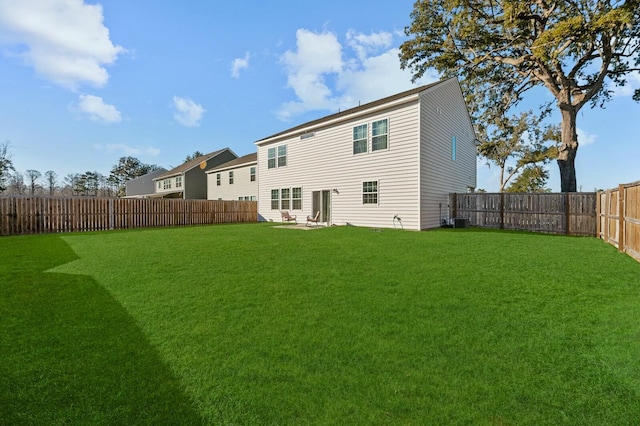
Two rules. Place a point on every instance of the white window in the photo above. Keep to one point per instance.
(282, 155)
(285, 200)
(218, 179)
(296, 198)
(159, 184)
(277, 157)
(178, 181)
(252, 174)
(166, 184)
(370, 192)
(231, 178)
(275, 199)
(379, 134)
(360, 139)
(271, 158)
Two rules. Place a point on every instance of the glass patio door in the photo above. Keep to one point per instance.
(321, 201)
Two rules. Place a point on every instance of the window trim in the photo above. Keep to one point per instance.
(275, 158)
(371, 194)
(230, 177)
(218, 179)
(252, 174)
(370, 137)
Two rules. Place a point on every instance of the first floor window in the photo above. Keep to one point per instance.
(285, 201)
(370, 192)
(296, 198)
(275, 199)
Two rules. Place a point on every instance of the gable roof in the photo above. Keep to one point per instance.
(240, 161)
(354, 110)
(185, 167)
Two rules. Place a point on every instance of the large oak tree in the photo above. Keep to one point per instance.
(578, 50)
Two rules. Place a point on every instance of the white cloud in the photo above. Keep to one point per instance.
(239, 64)
(95, 108)
(65, 41)
(188, 113)
(326, 76)
(585, 138)
(128, 150)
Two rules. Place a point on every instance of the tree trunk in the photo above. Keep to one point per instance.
(568, 150)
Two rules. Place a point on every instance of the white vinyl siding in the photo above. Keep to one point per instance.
(447, 149)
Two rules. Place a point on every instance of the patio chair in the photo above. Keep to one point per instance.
(312, 220)
(286, 217)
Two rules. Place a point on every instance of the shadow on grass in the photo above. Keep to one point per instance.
(70, 353)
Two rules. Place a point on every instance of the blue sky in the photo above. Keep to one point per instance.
(83, 83)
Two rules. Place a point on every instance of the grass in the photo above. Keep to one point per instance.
(249, 324)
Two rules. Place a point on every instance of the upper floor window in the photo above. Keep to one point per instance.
(370, 192)
(379, 136)
(166, 184)
(277, 157)
(159, 184)
(282, 155)
(218, 179)
(379, 133)
(252, 174)
(360, 139)
(178, 181)
(231, 178)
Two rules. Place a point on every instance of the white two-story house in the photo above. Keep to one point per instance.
(387, 163)
(234, 180)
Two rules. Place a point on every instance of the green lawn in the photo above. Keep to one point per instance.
(250, 324)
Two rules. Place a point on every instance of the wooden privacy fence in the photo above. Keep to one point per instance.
(36, 215)
(557, 213)
(619, 218)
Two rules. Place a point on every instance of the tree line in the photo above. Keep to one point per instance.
(86, 184)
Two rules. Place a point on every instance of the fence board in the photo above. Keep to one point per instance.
(34, 215)
(556, 213)
(620, 216)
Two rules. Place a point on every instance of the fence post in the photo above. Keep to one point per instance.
(111, 218)
(454, 208)
(621, 213)
(567, 214)
(501, 210)
(598, 214)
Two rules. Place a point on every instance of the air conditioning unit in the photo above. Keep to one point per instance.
(460, 222)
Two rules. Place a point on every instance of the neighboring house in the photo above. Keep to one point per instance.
(189, 180)
(399, 156)
(142, 186)
(234, 180)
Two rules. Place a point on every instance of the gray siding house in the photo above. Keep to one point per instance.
(143, 186)
(234, 180)
(189, 180)
(388, 163)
